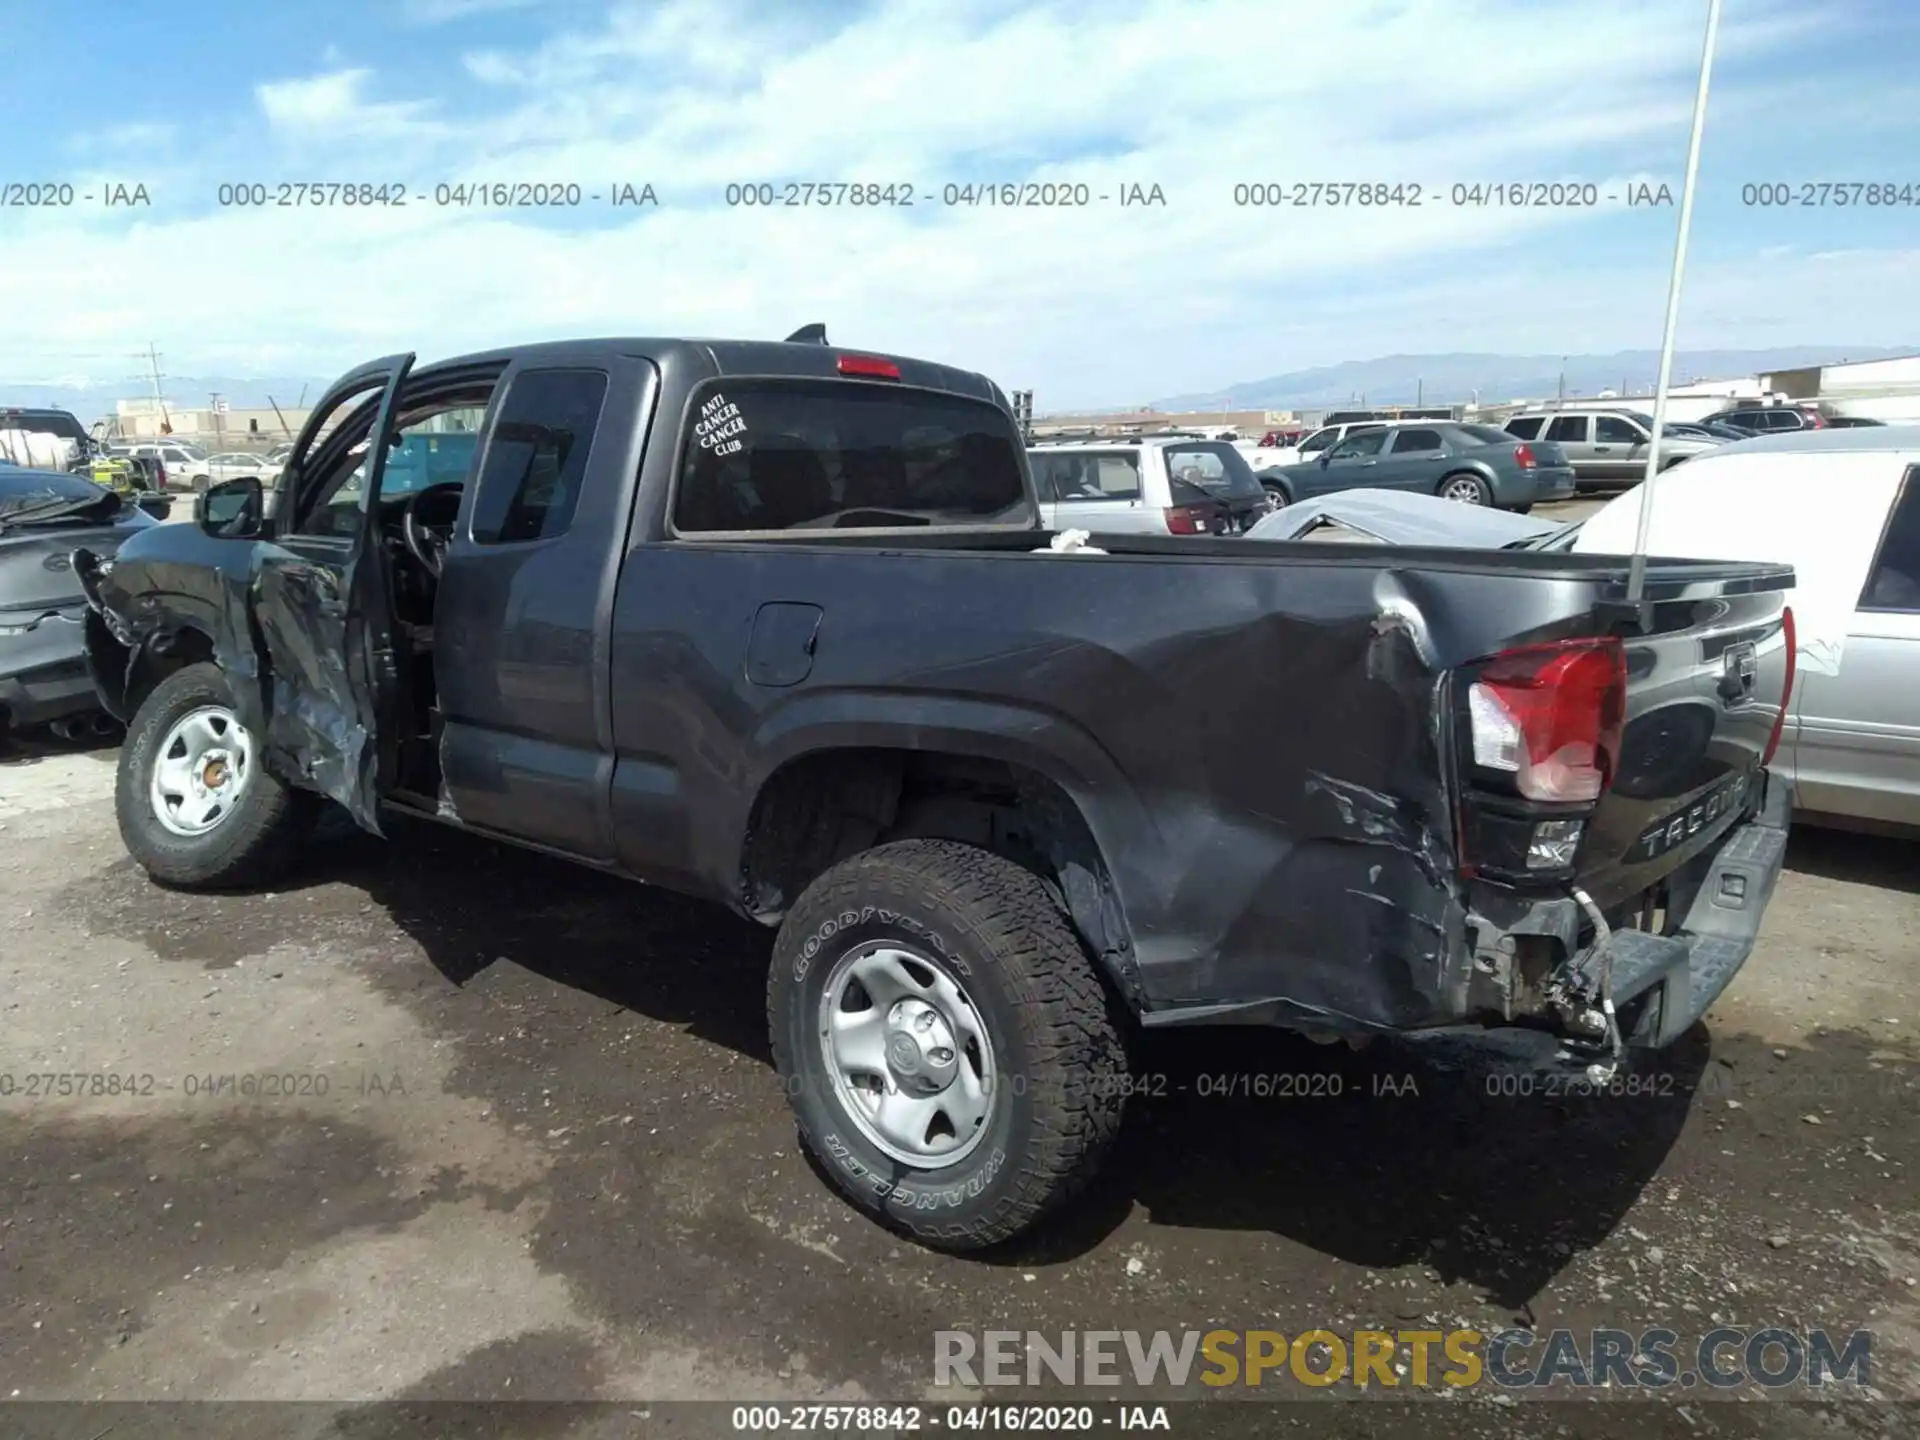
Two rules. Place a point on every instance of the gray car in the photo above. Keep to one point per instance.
(1608, 448)
(1474, 464)
(45, 516)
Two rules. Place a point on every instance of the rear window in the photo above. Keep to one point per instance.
(1217, 470)
(1078, 477)
(1894, 582)
(19, 485)
(1526, 428)
(764, 455)
(1487, 435)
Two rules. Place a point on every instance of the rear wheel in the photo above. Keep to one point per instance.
(1466, 488)
(946, 1046)
(195, 804)
(1277, 495)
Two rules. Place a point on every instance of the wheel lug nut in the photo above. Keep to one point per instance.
(942, 1055)
(923, 1022)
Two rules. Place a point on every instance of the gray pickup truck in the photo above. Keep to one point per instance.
(778, 625)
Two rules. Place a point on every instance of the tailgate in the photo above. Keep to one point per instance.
(1705, 693)
(1608, 758)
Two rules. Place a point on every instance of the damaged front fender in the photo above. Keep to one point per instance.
(276, 623)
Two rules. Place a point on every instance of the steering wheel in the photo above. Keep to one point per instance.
(426, 523)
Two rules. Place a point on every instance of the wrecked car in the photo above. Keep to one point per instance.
(44, 516)
(777, 624)
(1400, 517)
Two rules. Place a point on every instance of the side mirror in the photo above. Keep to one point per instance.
(1326, 458)
(158, 506)
(231, 509)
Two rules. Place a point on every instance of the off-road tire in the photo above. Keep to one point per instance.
(257, 842)
(1061, 1072)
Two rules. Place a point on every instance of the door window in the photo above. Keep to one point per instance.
(1319, 440)
(1894, 581)
(1418, 441)
(1081, 479)
(1358, 445)
(1612, 430)
(1042, 467)
(1568, 429)
(1527, 427)
(537, 456)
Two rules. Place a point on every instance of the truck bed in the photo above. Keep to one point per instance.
(1253, 732)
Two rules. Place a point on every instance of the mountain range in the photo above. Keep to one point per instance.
(1389, 380)
(1457, 378)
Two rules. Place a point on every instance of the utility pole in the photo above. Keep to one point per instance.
(213, 400)
(1419, 393)
(159, 401)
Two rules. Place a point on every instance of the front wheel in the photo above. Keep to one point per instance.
(1467, 489)
(196, 807)
(945, 1043)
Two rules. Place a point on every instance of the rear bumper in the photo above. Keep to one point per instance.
(50, 692)
(1537, 486)
(43, 671)
(1663, 984)
(1533, 487)
(1674, 978)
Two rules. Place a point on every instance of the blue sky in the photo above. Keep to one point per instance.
(1085, 305)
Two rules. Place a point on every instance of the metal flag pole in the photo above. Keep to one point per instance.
(1637, 572)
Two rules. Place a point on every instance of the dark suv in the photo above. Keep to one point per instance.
(1769, 419)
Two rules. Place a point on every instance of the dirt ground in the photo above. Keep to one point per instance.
(517, 1136)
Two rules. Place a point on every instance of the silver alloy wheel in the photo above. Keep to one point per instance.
(200, 770)
(911, 1061)
(1463, 488)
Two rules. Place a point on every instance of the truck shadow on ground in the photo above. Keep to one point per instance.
(1380, 1158)
(1891, 862)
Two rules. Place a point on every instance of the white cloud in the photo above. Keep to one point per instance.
(1084, 304)
(334, 106)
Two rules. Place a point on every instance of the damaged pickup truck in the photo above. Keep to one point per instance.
(776, 624)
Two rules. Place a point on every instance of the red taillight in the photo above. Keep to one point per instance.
(1786, 693)
(1551, 716)
(1523, 457)
(870, 366)
(159, 476)
(1815, 420)
(1190, 519)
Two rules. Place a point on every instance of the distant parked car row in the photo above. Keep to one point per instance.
(1179, 485)
(190, 467)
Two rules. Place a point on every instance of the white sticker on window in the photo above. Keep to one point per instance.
(719, 426)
